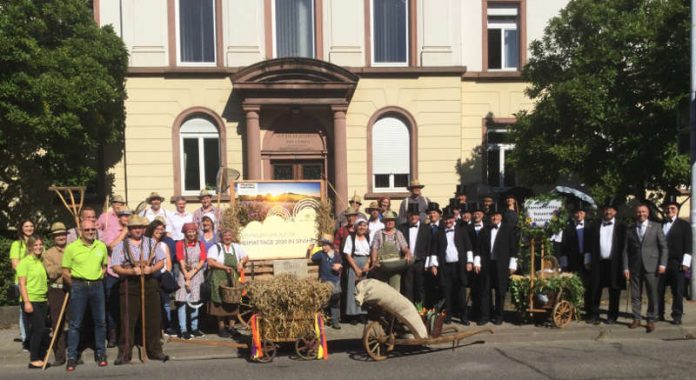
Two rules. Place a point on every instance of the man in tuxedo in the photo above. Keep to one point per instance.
(433, 293)
(678, 234)
(572, 250)
(644, 259)
(474, 230)
(417, 235)
(451, 260)
(495, 261)
(603, 259)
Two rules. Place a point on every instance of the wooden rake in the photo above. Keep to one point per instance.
(74, 209)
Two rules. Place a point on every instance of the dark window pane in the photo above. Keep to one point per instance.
(282, 172)
(400, 180)
(191, 165)
(211, 151)
(509, 174)
(196, 30)
(390, 30)
(493, 166)
(382, 180)
(311, 171)
(497, 137)
(294, 28)
(512, 49)
(494, 41)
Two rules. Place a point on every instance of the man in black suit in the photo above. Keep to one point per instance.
(417, 236)
(572, 249)
(603, 259)
(451, 260)
(474, 230)
(495, 261)
(678, 233)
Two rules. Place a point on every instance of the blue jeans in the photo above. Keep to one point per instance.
(81, 297)
(22, 317)
(111, 298)
(166, 310)
(181, 310)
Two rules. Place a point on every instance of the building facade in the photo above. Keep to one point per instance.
(367, 94)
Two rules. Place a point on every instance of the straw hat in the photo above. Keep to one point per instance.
(415, 184)
(161, 219)
(205, 193)
(355, 199)
(351, 211)
(326, 239)
(58, 228)
(389, 215)
(124, 211)
(154, 195)
(372, 206)
(118, 199)
(137, 221)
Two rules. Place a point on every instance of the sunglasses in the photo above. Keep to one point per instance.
(89, 229)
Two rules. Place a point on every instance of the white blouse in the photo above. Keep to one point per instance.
(362, 247)
(215, 253)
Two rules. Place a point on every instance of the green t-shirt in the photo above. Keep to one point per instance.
(85, 261)
(18, 250)
(37, 281)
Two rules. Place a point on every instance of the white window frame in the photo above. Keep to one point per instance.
(372, 40)
(179, 62)
(200, 136)
(502, 148)
(314, 30)
(392, 188)
(503, 26)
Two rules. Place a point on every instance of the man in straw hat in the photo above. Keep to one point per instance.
(52, 260)
(603, 259)
(495, 261)
(374, 223)
(348, 228)
(108, 225)
(207, 207)
(678, 234)
(415, 188)
(354, 202)
(111, 279)
(330, 266)
(84, 263)
(154, 208)
(138, 256)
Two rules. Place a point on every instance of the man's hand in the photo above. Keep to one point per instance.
(28, 308)
(187, 276)
(310, 247)
(147, 269)
(433, 270)
(366, 267)
(336, 267)
(188, 285)
(684, 268)
(627, 275)
(358, 272)
(469, 267)
(661, 269)
(136, 270)
(228, 270)
(240, 268)
(477, 269)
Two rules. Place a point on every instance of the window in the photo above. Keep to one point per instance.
(503, 38)
(200, 154)
(294, 28)
(391, 155)
(389, 32)
(498, 173)
(196, 31)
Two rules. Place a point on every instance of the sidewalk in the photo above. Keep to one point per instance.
(349, 338)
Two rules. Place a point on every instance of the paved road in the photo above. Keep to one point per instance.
(593, 359)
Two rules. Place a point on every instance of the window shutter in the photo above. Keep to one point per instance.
(391, 147)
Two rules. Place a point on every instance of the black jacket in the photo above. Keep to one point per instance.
(616, 279)
(678, 242)
(422, 240)
(463, 245)
(504, 247)
(570, 247)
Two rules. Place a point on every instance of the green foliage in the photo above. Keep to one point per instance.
(61, 100)
(540, 235)
(6, 271)
(607, 78)
(569, 283)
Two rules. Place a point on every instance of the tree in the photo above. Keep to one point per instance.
(61, 99)
(607, 77)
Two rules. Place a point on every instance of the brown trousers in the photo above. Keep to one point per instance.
(130, 316)
(55, 302)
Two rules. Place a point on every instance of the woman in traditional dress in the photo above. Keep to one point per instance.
(357, 255)
(207, 236)
(389, 243)
(191, 255)
(226, 261)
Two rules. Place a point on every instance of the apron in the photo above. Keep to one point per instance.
(220, 277)
(191, 257)
(391, 263)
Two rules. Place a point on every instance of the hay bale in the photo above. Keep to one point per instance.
(288, 304)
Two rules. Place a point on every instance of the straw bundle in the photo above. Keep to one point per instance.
(325, 221)
(230, 220)
(288, 304)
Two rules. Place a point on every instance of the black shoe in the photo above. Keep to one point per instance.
(448, 320)
(18, 340)
(661, 318)
(197, 333)
(676, 322)
(593, 320)
(610, 321)
(121, 361)
(160, 357)
(497, 321)
(482, 322)
(465, 322)
(186, 335)
(71, 365)
(223, 333)
(362, 319)
(58, 363)
(170, 331)
(233, 332)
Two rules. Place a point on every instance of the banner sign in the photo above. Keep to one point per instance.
(282, 217)
(541, 211)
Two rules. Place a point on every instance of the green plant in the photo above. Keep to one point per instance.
(569, 283)
(6, 271)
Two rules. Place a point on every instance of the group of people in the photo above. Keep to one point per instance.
(459, 258)
(113, 267)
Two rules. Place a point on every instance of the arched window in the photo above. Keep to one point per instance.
(391, 155)
(199, 141)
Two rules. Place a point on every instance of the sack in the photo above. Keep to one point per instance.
(388, 299)
(168, 283)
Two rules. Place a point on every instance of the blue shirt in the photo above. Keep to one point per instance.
(325, 263)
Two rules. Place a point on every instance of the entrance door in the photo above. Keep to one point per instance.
(295, 170)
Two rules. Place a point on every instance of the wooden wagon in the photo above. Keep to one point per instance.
(273, 331)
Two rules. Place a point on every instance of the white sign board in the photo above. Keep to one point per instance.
(541, 211)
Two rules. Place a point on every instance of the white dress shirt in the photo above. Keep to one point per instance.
(494, 233)
(666, 227)
(641, 228)
(374, 226)
(176, 221)
(451, 254)
(412, 235)
(606, 235)
(151, 214)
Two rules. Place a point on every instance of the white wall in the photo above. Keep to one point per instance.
(472, 38)
(243, 32)
(439, 32)
(344, 32)
(539, 12)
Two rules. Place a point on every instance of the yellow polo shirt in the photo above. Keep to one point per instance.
(37, 282)
(85, 261)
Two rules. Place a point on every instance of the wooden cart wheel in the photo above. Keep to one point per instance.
(244, 313)
(562, 313)
(269, 351)
(307, 346)
(375, 341)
